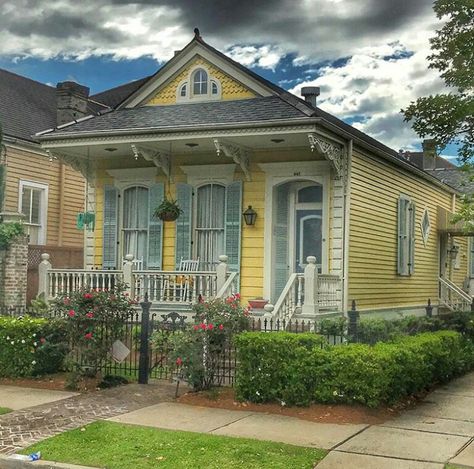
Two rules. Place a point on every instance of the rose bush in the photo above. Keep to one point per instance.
(198, 352)
(95, 319)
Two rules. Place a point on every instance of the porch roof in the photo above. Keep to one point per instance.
(181, 116)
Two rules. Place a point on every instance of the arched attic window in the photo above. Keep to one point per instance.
(214, 88)
(183, 90)
(200, 82)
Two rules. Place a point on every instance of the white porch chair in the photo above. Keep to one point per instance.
(137, 263)
(181, 285)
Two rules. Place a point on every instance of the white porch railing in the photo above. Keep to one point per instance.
(453, 297)
(161, 286)
(309, 293)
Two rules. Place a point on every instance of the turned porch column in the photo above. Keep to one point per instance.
(311, 290)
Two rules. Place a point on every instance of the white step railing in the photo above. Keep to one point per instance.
(290, 299)
(309, 293)
(453, 297)
(230, 286)
(175, 286)
(64, 281)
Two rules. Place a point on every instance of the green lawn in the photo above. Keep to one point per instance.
(118, 446)
(4, 410)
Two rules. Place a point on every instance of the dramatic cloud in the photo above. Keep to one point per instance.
(368, 56)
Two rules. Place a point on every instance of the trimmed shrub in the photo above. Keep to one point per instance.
(267, 361)
(30, 346)
(354, 373)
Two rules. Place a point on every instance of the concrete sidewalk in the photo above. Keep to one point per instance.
(16, 397)
(239, 423)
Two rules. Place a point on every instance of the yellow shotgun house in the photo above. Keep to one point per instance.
(331, 215)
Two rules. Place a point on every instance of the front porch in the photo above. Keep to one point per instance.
(306, 295)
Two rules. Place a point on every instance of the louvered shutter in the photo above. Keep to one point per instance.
(109, 253)
(411, 238)
(233, 226)
(184, 195)
(402, 237)
(280, 236)
(155, 227)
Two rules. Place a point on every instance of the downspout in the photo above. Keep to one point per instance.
(345, 239)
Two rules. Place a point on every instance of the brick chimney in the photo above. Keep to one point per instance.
(310, 94)
(429, 154)
(71, 102)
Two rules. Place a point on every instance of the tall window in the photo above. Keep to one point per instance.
(406, 236)
(33, 205)
(135, 222)
(200, 82)
(210, 220)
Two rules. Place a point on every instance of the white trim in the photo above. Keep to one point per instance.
(279, 173)
(346, 228)
(196, 49)
(197, 175)
(44, 188)
(133, 174)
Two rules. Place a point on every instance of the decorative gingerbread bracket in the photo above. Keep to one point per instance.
(333, 152)
(82, 165)
(160, 158)
(238, 153)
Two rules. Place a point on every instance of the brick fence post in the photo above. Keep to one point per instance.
(13, 273)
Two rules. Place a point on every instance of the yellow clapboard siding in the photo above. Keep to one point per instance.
(373, 282)
(231, 88)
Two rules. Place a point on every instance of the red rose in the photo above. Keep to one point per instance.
(196, 328)
(229, 300)
(42, 340)
(87, 296)
(237, 296)
(88, 336)
(71, 313)
(90, 315)
(179, 362)
(221, 326)
(210, 327)
(203, 326)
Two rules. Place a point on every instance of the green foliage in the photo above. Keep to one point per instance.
(111, 381)
(40, 306)
(94, 320)
(267, 366)
(30, 346)
(168, 210)
(276, 368)
(448, 117)
(8, 232)
(197, 352)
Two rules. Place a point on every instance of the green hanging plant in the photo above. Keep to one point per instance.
(168, 210)
(8, 232)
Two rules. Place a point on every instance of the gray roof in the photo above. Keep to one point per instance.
(184, 115)
(26, 106)
(113, 97)
(455, 178)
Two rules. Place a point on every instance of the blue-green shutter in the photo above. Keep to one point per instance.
(155, 227)
(411, 244)
(109, 253)
(280, 236)
(233, 225)
(184, 196)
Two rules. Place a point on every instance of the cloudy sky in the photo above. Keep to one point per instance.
(368, 56)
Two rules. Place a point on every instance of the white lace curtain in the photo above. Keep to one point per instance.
(135, 222)
(210, 221)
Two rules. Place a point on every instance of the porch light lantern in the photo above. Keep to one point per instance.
(453, 251)
(250, 215)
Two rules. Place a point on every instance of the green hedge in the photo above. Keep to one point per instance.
(300, 374)
(31, 346)
(266, 363)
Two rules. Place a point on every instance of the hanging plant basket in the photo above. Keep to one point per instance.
(168, 210)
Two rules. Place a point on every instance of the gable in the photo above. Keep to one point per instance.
(229, 87)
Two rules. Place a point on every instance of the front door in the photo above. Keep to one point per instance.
(298, 232)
